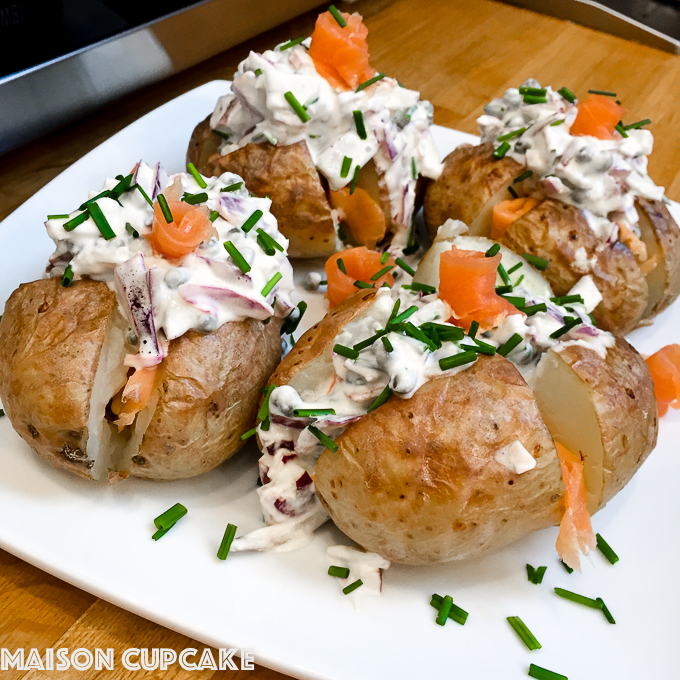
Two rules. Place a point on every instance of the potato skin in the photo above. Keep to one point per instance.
(50, 341)
(209, 391)
(622, 393)
(203, 144)
(555, 231)
(416, 480)
(471, 176)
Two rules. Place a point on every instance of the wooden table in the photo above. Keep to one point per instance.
(459, 54)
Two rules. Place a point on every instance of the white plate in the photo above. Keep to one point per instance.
(283, 606)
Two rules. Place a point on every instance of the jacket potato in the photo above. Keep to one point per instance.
(543, 183)
(144, 351)
(335, 162)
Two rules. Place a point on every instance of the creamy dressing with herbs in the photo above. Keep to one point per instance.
(200, 291)
(365, 566)
(397, 122)
(600, 177)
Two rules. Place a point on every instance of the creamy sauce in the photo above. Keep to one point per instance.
(367, 567)
(200, 291)
(600, 177)
(515, 458)
(397, 123)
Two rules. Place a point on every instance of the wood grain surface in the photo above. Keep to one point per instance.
(459, 54)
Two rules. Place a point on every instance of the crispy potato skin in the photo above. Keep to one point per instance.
(622, 393)
(50, 341)
(203, 144)
(555, 231)
(667, 235)
(416, 480)
(209, 391)
(470, 178)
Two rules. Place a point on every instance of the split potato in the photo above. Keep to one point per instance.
(62, 355)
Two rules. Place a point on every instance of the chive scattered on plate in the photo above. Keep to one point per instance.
(227, 539)
(606, 549)
(525, 635)
(540, 673)
(353, 586)
(338, 572)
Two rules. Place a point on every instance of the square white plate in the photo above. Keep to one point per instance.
(284, 607)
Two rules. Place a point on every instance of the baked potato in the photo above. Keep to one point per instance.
(593, 209)
(329, 161)
(144, 354)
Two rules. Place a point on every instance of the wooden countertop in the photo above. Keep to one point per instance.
(459, 54)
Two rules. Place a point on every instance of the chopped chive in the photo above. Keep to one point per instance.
(83, 206)
(271, 283)
(403, 316)
(196, 175)
(509, 345)
(540, 673)
(359, 123)
(566, 299)
(252, 221)
(369, 341)
(503, 274)
(170, 517)
(387, 344)
(341, 265)
(572, 323)
(382, 272)
(67, 278)
(324, 439)
(165, 208)
(194, 199)
(102, 223)
(516, 301)
(501, 150)
(131, 230)
(323, 283)
(493, 250)
(411, 241)
(249, 434)
(621, 130)
(214, 215)
(474, 327)
(76, 221)
(58, 217)
(523, 176)
(638, 125)
(353, 586)
(479, 348)
(519, 280)
(344, 351)
(456, 614)
(525, 635)
(444, 610)
(421, 287)
(313, 412)
(338, 572)
(355, 179)
(536, 575)
(263, 413)
(265, 239)
(502, 290)
(289, 324)
(226, 135)
(2, 410)
(346, 165)
(296, 106)
(239, 260)
(534, 99)
(227, 540)
(380, 399)
(606, 550)
(515, 268)
(511, 135)
(555, 123)
(407, 268)
(414, 332)
(534, 309)
(512, 192)
(567, 568)
(579, 599)
(414, 169)
(606, 93)
(335, 13)
(144, 194)
(457, 360)
(291, 43)
(538, 91)
(384, 257)
(120, 188)
(537, 262)
(233, 187)
(258, 71)
(605, 611)
(394, 312)
(363, 284)
(567, 94)
(160, 533)
(370, 82)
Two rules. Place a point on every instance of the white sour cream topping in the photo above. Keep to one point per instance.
(200, 291)
(515, 458)
(601, 177)
(362, 565)
(397, 123)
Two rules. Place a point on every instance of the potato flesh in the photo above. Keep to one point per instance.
(657, 278)
(481, 225)
(567, 408)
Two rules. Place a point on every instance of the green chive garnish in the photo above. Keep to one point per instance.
(571, 323)
(414, 169)
(131, 230)
(555, 123)
(567, 94)
(196, 175)
(534, 99)
(606, 550)
(352, 586)
(387, 344)
(512, 192)
(511, 135)
(479, 348)
(355, 179)
(544, 674)
(380, 399)
(296, 106)
(144, 194)
(227, 539)
(638, 125)
(457, 360)
(370, 82)
(444, 610)
(264, 237)
(403, 316)
(263, 413)
(76, 221)
(239, 260)
(214, 215)
(2, 410)
(523, 176)
(313, 412)
(120, 188)
(534, 309)
(501, 150)
(289, 324)
(271, 283)
(170, 517)
(516, 301)
(579, 599)
(509, 345)
(83, 206)
(58, 217)
(407, 268)
(502, 290)
(341, 265)
(515, 268)
(519, 280)
(382, 272)
(384, 257)
(348, 352)
(249, 434)
(160, 533)
(606, 93)
(537, 91)
(338, 572)
(165, 208)
(291, 43)
(537, 262)
(394, 312)
(456, 614)
(525, 635)
(359, 123)
(566, 299)
(536, 575)
(102, 223)
(363, 284)
(421, 287)
(620, 129)
(369, 341)
(605, 611)
(67, 278)
(194, 199)
(326, 441)
(233, 187)
(493, 250)
(258, 71)
(474, 327)
(335, 13)
(503, 274)
(567, 568)
(346, 165)
(252, 221)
